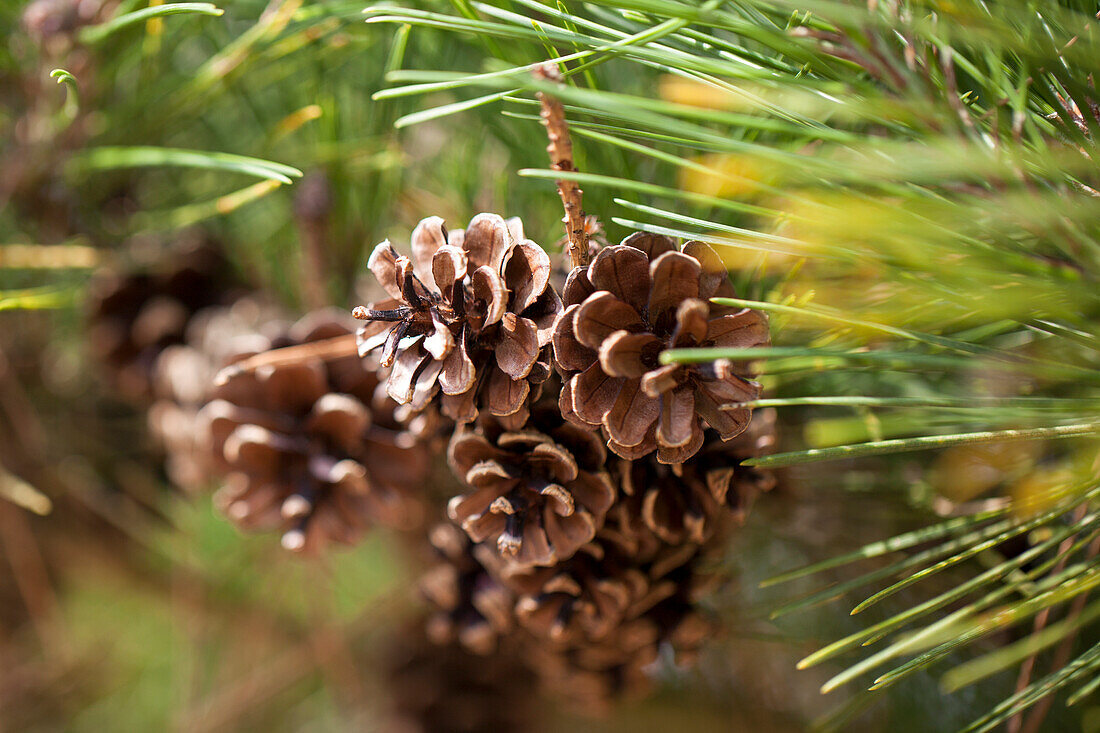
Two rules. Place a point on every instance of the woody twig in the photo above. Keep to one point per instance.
(337, 347)
(561, 159)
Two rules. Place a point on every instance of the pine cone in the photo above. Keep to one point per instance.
(748, 482)
(470, 313)
(692, 501)
(634, 301)
(539, 493)
(310, 448)
(183, 378)
(446, 689)
(472, 607)
(135, 316)
(582, 600)
(593, 671)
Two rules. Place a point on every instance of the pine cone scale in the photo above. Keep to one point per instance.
(626, 354)
(675, 278)
(623, 270)
(519, 349)
(594, 394)
(601, 315)
(630, 418)
(570, 354)
(677, 418)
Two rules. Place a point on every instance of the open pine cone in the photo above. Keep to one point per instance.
(311, 447)
(469, 314)
(539, 493)
(635, 300)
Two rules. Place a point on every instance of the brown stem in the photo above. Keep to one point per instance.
(312, 207)
(947, 65)
(884, 62)
(1061, 656)
(1015, 723)
(336, 347)
(28, 568)
(561, 159)
(363, 313)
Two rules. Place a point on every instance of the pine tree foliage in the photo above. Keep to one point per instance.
(928, 169)
(914, 183)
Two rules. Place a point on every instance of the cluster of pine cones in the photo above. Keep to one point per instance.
(591, 486)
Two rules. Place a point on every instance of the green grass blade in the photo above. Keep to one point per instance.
(962, 639)
(449, 109)
(902, 565)
(977, 402)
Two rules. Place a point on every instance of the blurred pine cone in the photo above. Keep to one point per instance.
(134, 316)
(183, 379)
(470, 312)
(591, 625)
(635, 300)
(583, 599)
(311, 447)
(446, 689)
(471, 607)
(628, 614)
(538, 493)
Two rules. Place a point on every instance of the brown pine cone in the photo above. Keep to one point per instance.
(584, 599)
(436, 688)
(135, 316)
(748, 482)
(634, 301)
(690, 502)
(592, 678)
(310, 447)
(471, 312)
(472, 608)
(593, 671)
(183, 378)
(539, 493)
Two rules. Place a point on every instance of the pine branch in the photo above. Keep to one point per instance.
(561, 159)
